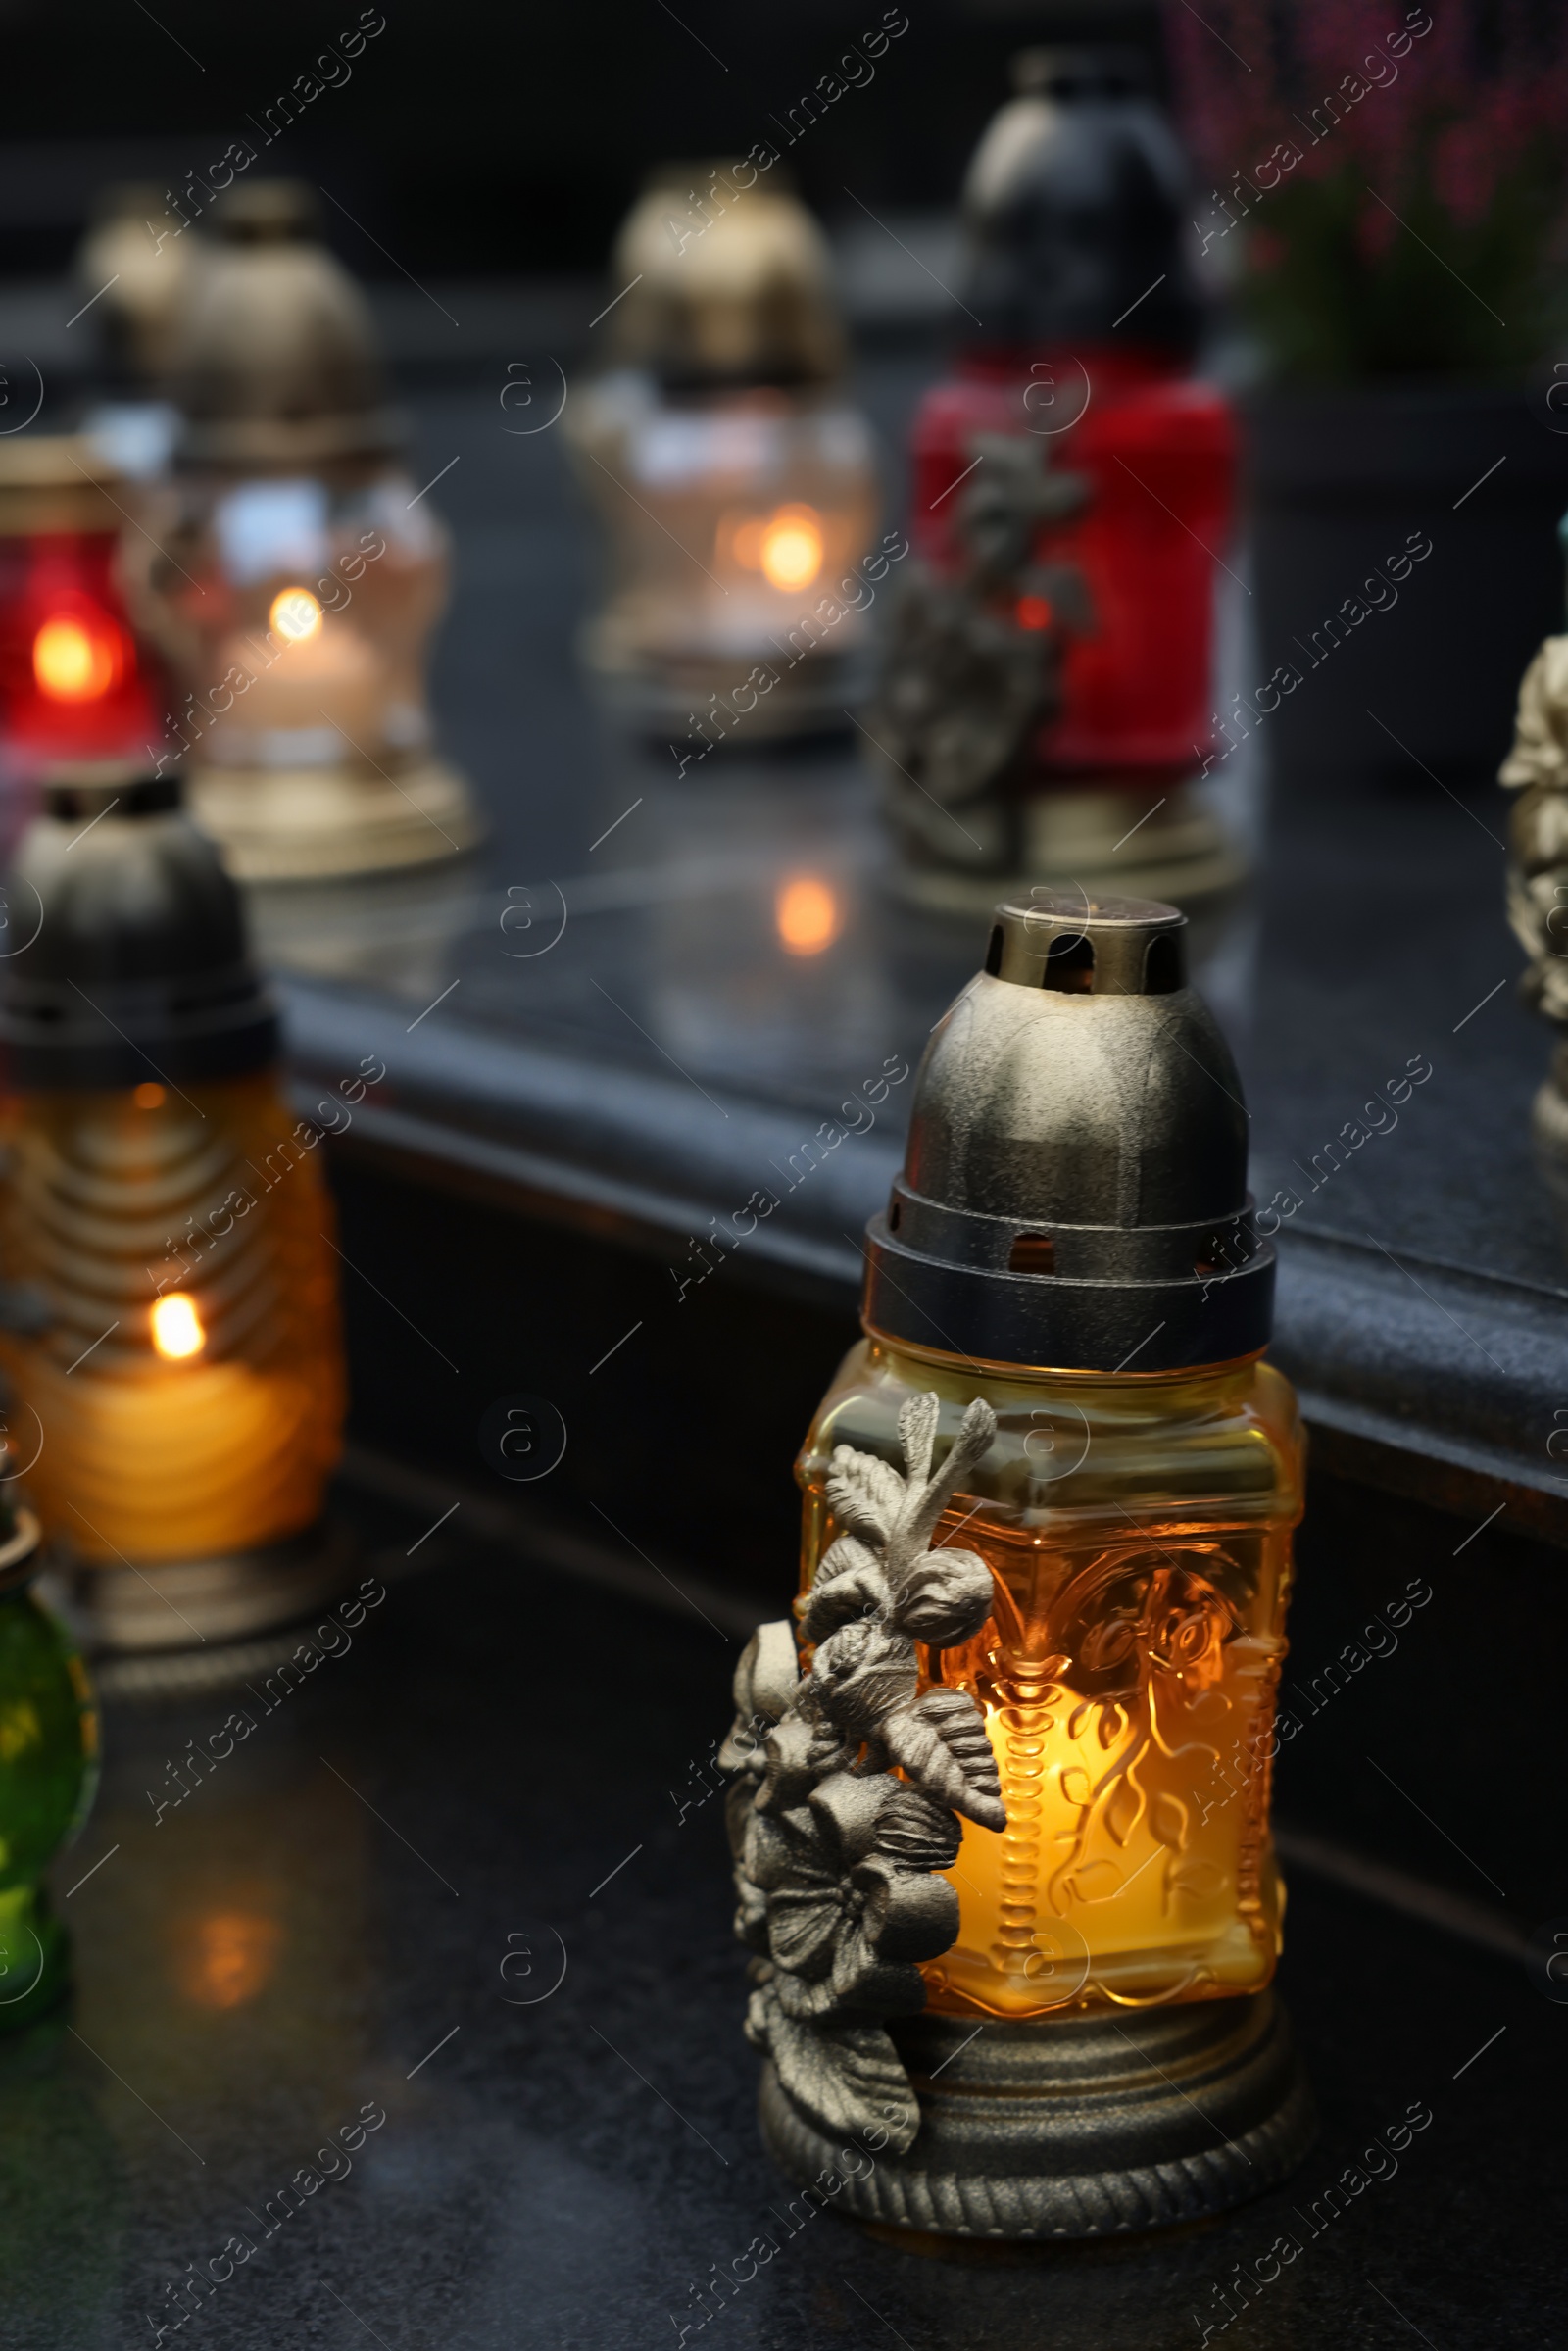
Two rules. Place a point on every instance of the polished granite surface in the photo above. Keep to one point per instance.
(598, 1012)
(463, 1878)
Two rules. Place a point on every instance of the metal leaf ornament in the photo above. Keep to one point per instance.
(850, 1780)
(965, 687)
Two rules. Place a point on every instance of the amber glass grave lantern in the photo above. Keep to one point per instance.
(298, 569)
(734, 478)
(1048, 1510)
(165, 1237)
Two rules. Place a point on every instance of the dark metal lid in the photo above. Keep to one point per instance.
(1074, 208)
(1074, 1188)
(131, 961)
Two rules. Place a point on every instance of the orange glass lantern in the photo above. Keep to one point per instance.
(735, 481)
(174, 1345)
(1004, 1845)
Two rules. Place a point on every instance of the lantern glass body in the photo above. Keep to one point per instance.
(1158, 450)
(730, 517)
(1138, 1530)
(294, 612)
(71, 684)
(48, 1771)
(186, 1401)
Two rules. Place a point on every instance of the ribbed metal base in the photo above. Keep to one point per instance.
(1082, 2126)
(172, 1608)
(304, 824)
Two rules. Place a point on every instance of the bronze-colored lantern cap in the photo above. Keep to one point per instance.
(57, 481)
(137, 278)
(138, 965)
(1075, 1189)
(277, 366)
(736, 282)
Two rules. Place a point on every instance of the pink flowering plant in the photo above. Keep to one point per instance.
(1393, 183)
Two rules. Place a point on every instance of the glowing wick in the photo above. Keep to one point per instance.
(178, 1327)
(295, 614)
(791, 552)
(807, 914)
(72, 662)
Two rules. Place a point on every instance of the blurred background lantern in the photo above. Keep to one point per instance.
(292, 571)
(133, 268)
(174, 1343)
(735, 480)
(1050, 686)
(72, 682)
(48, 1766)
(134, 265)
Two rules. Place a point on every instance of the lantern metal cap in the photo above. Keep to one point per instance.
(1075, 1189)
(268, 212)
(137, 966)
(730, 287)
(57, 481)
(1074, 208)
(277, 366)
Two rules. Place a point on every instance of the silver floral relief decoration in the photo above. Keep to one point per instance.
(835, 1854)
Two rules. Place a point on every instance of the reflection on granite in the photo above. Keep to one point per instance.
(1372, 912)
(365, 1910)
(601, 1011)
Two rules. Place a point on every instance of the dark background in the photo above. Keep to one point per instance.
(489, 140)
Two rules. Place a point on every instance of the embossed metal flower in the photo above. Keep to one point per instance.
(765, 1682)
(851, 1902)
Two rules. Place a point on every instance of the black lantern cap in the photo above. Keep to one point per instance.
(125, 955)
(1075, 1189)
(1074, 207)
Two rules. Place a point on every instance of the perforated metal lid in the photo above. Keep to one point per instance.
(1075, 1187)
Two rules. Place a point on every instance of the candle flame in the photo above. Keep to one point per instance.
(178, 1327)
(73, 661)
(806, 914)
(295, 614)
(791, 549)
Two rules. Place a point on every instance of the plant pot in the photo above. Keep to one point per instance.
(1342, 482)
